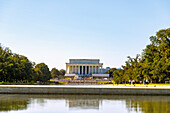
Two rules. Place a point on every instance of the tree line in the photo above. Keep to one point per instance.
(16, 68)
(152, 64)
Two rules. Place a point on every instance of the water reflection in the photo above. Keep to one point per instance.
(8, 103)
(82, 103)
(155, 104)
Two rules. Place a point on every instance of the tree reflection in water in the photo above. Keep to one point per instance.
(8, 103)
(149, 104)
(144, 104)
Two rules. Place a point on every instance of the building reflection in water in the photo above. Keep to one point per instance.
(83, 104)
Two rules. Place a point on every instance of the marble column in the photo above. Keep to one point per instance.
(85, 69)
(69, 69)
(78, 69)
(75, 69)
(101, 69)
(98, 69)
(72, 69)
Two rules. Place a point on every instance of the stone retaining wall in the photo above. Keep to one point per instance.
(22, 89)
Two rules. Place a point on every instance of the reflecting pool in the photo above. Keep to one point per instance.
(17, 103)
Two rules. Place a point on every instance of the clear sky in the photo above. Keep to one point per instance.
(53, 31)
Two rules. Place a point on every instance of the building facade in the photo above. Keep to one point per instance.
(85, 67)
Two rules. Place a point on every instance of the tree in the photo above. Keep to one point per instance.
(152, 64)
(42, 72)
(118, 76)
(156, 56)
(55, 73)
(62, 72)
(14, 67)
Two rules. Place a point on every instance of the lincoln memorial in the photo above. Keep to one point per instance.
(85, 67)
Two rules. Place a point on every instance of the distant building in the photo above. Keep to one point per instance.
(85, 68)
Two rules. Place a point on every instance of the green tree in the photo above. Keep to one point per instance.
(55, 73)
(62, 72)
(14, 67)
(152, 64)
(42, 72)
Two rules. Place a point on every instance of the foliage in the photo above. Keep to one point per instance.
(62, 72)
(14, 67)
(18, 69)
(55, 73)
(42, 72)
(153, 64)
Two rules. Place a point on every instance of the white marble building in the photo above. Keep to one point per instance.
(85, 67)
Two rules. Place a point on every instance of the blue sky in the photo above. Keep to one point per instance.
(53, 31)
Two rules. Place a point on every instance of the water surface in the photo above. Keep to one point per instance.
(17, 103)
